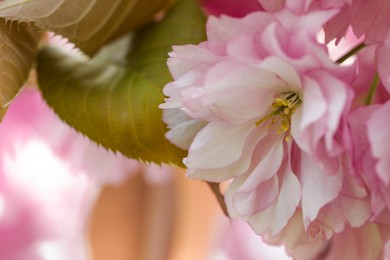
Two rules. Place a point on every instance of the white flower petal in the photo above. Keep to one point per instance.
(217, 145)
(318, 187)
(235, 169)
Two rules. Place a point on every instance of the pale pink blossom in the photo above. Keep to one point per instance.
(274, 106)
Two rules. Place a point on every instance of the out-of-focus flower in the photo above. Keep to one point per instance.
(49, 178)
(44, 205)
(44, 202)
(236, 240)
(274, 104)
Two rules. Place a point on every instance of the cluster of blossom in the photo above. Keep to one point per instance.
(301, 137)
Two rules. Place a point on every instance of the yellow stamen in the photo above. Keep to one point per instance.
(283, 108)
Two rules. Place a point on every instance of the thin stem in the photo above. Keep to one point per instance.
(220, 198)
(350, 53)
(373, 88)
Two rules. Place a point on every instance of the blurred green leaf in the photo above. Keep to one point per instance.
(89, 24)
(186, 24)
(18, 46)
(118, 106)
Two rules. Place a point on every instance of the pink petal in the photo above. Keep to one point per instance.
(246, 48)
(312, 21)
(268, 157)
(236, 168)
(318, 187)
(352, 209)
(378, 133)
(273, 219)
(296, 241)
(368, 17)
(189, 57)
(251, 202)
(336, 95)
(314, 103)
(274, 39)
(209, 147)
(182, 128)
(383, 61)
(285, 71)
(261, 186)
(232, 92)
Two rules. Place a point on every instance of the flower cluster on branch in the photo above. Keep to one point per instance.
(301, 138)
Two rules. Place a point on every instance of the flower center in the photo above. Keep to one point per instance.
(283, 108)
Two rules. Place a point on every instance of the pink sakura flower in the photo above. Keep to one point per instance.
(272, 104)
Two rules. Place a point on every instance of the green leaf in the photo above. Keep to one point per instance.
(185, 24)
(89, 24)
(18, 46)
(118, 106)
